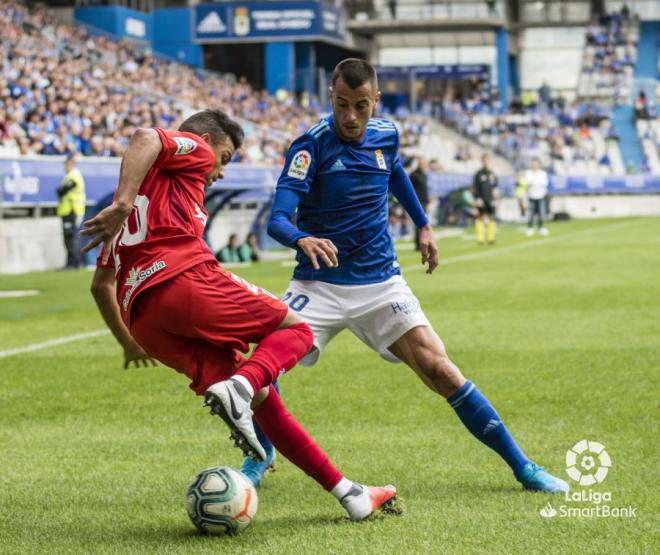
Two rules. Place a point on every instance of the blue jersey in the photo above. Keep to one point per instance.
(341, 191)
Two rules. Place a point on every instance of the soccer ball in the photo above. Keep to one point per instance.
(221, 501)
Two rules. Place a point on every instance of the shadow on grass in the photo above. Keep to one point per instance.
(259, 530)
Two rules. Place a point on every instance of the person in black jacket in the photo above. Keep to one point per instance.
(419, 179)
(485, 194)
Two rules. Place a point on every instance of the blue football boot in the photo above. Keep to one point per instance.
(255, 470)
(535, 478)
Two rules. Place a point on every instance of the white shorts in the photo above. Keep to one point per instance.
(378, 313)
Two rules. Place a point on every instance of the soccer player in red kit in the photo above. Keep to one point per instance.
(188, 312)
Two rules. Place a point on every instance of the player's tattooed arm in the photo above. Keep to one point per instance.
(142, 152)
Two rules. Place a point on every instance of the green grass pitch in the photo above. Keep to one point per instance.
(561, 333)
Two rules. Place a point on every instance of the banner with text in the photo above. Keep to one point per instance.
(267, 21)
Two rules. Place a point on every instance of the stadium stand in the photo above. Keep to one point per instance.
(103, 89)
(609, 58)
(595, 134)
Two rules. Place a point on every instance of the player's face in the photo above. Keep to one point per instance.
(352, 108)
(224, 150)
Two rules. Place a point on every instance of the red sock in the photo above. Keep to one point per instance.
(291, 439)
(279, 351)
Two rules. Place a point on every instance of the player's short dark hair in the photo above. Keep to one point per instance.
(355, 72)
(217, 124)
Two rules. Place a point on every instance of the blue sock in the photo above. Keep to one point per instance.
(479, 416)
(263, 439)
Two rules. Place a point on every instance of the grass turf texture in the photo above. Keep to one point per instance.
(561, 333)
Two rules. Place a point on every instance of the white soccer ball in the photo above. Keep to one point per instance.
(220, 500)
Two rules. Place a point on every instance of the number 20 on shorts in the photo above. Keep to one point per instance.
(296, 303)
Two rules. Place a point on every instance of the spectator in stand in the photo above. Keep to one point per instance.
(642, 106)
(545, 96)
(249, 251)
(229, 253)
(537, 191)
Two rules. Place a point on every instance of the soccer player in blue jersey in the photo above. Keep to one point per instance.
(337, 176)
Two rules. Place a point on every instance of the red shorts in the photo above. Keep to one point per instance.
(199, 321)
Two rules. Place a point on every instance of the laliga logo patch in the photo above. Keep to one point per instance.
(184, 145)
(587, 462)
(380, 159)
(299, 165)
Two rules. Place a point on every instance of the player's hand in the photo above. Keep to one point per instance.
(104, 226)
(316, 248)
(137, 355)
(428, 248)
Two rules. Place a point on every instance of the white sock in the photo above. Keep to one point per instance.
(245, 383)
(342, 488)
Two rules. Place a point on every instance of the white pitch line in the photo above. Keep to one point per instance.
(536, 242)
(18, 293)
(53, 343)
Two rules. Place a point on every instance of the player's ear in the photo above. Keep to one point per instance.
(206, 137)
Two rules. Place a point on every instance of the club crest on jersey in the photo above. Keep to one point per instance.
(299, 165)
(380, 159)
(184, 145)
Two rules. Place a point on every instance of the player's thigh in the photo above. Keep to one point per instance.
(210, 303)
(385, 313)
(202, 362)
(317, 304)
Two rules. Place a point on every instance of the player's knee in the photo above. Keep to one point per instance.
(304, 334)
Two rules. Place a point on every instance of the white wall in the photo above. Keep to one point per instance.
(590, 206)
(647, 10)
(553, 55)
(31, 245)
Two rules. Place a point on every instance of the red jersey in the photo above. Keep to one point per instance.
(162, 236)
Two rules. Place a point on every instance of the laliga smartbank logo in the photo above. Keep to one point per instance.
(587, 464)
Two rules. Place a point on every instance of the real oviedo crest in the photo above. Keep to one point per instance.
(241, 21)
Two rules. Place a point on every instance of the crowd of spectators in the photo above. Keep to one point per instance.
(609, 56)
(63, 91)
(567, 137)
(648, 126)
(233, 252)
